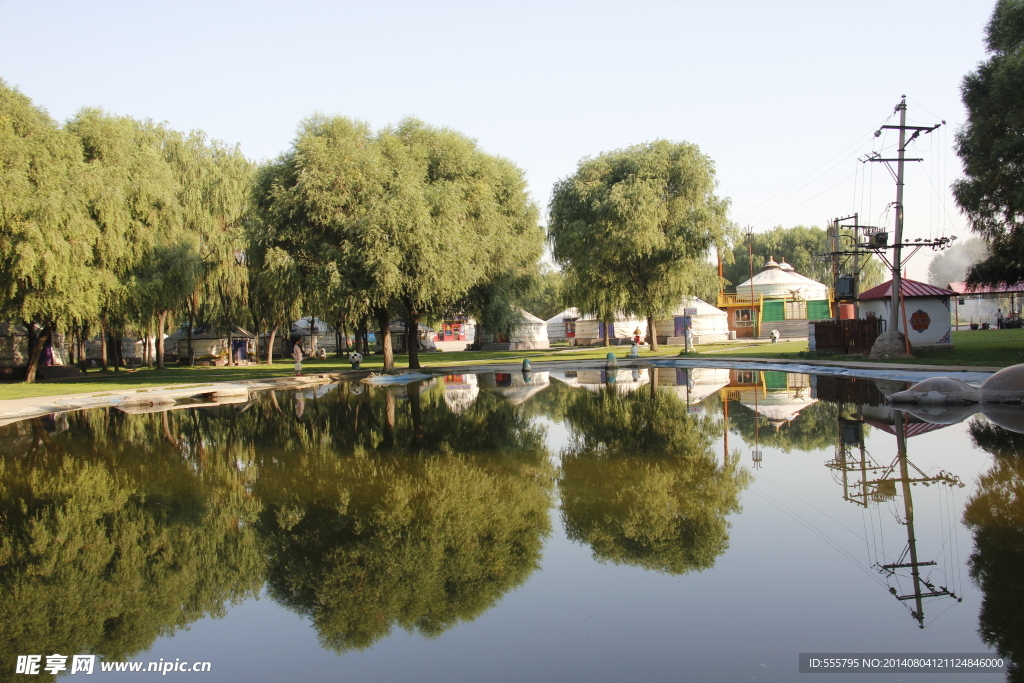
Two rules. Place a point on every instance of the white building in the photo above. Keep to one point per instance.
(709, 324)
(925, 310)
(562, 326)
(531, 333)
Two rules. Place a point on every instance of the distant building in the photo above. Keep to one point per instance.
(562, 326)
(531, 333)
(709, 324)
(777, 298)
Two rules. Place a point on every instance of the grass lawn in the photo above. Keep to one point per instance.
(986, 348)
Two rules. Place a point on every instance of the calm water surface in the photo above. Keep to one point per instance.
(665, 525)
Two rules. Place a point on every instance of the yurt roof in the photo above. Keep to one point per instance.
(777, 276)
(703, 307)
(211, 333)
(570, 313)
(531, 318)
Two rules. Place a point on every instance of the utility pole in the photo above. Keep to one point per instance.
(901, 158)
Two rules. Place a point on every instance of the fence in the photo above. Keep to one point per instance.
(846, 336)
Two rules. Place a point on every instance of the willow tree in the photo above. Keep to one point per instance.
(641, 219)
(991, 193)
(46, 238)
(410, 219)
(215, 183)
(132, 197)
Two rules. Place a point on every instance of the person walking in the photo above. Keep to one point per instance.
(297, 355)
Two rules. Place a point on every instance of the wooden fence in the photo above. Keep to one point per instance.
(846, 336)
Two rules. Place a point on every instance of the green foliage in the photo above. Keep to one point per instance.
(801, 247)
(816, 428)
(545, 297)
(991, 193)
(47, 242)
(641, 485)
(637, 221)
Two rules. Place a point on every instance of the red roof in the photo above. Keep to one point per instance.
(964, 288)
(909, 428)
(911, 288)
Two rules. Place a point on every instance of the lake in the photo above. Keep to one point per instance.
(671, 524)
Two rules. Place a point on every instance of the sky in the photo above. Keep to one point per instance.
(784, 96)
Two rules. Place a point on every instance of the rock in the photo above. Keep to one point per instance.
(888, 387)
(889, 345)
(1007, 385)
(938, 391)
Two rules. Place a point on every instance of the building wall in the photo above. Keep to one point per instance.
(927, 317)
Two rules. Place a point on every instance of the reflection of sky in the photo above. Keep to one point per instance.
(797, 577)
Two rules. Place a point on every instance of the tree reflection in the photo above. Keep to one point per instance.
(418, 543)
(106, 545)
(995, 513)
(641, 485)
(814, 429)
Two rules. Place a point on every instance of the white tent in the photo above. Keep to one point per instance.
(588, 329)
(562, 325)
(532, 333)
(710, 324)
(778, 282)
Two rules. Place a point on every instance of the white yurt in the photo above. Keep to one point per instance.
(781, 281)
(531, 333)
(710, 324)
(562, 326)
(693, 385)
(589, 330)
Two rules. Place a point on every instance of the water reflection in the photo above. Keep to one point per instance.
(375, 509)
(640, 483)
(995, 514)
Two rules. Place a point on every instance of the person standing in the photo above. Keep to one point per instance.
(297, 355)
(999, 318)
(688, 336)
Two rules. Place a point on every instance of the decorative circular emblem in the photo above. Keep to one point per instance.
(920, 321)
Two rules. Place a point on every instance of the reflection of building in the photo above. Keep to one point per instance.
(693, 385)
(777, 298)
(624, 381)
(460, 391)
(781, 397)
(517, 387)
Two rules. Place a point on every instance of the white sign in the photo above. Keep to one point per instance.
(689, 311)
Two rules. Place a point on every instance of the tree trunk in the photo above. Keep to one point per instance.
(652, 330)
(270, 344)
(389, 418)
(161, 320)
(191, 325)
(35, 349)
(605, 333)
(653, 374)
(231, 351)
(115, 348)
(103, 345)
(412, 338)
(385, 338)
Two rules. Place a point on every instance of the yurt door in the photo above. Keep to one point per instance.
(681, 323)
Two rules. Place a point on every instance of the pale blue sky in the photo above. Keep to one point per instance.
(782, 95)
